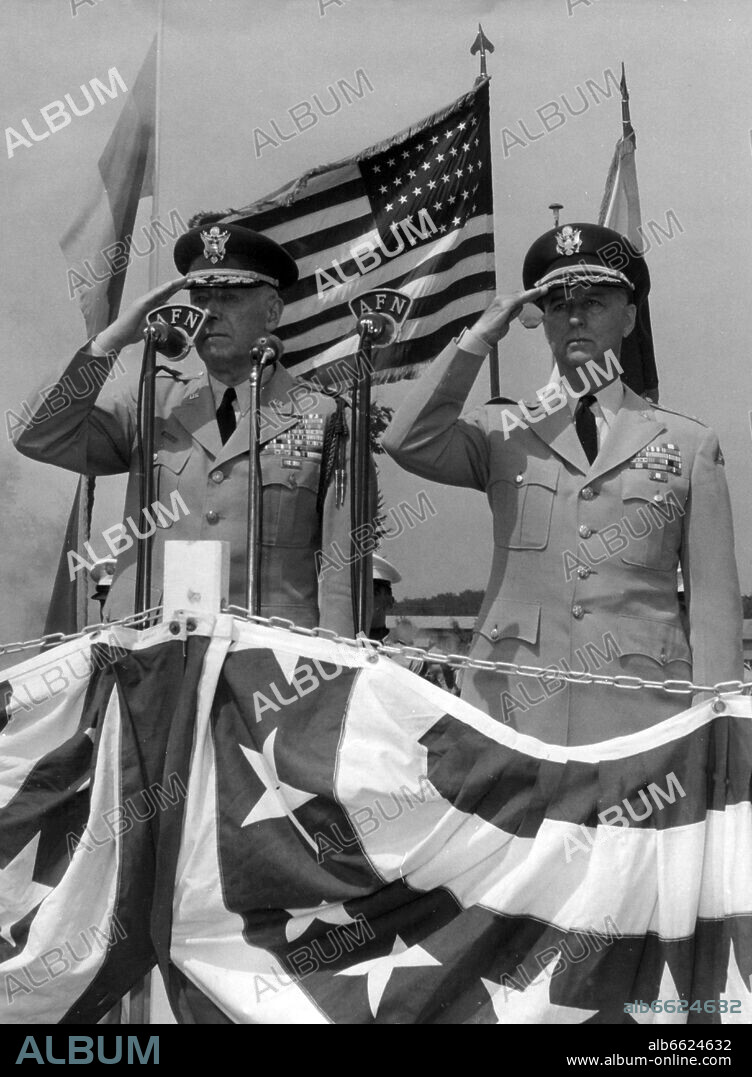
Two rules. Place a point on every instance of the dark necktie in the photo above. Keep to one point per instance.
(584, 424)
(226, 414)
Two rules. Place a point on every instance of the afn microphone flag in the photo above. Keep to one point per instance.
(413, 214)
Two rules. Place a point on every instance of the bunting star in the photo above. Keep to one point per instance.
(19, 894)
(737, 989)
(279, 800)
(303, 918)
(667, 990)
(379, 969)
(533, 1006)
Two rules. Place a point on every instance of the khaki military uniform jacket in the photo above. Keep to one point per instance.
(584, 568)
(202, 485)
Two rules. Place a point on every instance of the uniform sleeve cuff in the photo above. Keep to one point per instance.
(93, 348)
(470, 342)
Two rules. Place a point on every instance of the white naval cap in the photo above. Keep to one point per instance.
(383, 570)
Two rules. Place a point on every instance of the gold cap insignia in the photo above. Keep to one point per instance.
(568, 241)
(214, 244)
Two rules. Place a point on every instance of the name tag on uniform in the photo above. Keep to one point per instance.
(289, 463)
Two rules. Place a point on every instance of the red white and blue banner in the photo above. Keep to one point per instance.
(300, 831)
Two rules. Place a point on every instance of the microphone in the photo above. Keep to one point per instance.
(169, 340)
(174, 328)
(267, 350)
(373, 326)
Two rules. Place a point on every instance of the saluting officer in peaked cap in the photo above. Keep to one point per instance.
(216, 255)
(585, 254)
(202, 455)
(597, 496)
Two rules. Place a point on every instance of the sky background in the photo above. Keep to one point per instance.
(230, 66)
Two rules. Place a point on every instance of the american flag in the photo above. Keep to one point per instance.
(301, 834)
(413, 213)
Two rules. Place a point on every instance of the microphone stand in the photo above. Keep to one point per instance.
(147, 395)
(360, 472)
(259, 358)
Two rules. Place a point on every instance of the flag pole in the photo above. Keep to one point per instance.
(482, 46)
(136, 1006)
(627, 130)
(154, 256)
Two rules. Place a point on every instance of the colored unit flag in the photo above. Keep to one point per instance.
(299, 833)
(97, 247)
(414, 214)
(97, 244)
(620, 210)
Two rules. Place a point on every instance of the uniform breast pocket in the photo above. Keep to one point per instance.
(169, 466)
(653, 519)
(290, 516)
(522, 502)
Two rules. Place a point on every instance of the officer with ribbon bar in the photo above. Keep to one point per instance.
(238, 277)
(597, 496)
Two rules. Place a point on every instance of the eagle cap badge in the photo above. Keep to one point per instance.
(568, 241)
(214, 244)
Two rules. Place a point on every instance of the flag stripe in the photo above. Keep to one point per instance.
(409, 201)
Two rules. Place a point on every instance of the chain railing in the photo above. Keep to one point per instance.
(51, 638)
(463, 661)
(401, 650)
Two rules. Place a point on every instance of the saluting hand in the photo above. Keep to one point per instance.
(493, 324)
(128, 327)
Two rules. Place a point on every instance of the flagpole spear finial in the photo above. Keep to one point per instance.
(626, 121)
(481, 45)
(556, 208)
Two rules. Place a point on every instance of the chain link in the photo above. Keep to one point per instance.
(464, 661)
(61, 637)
